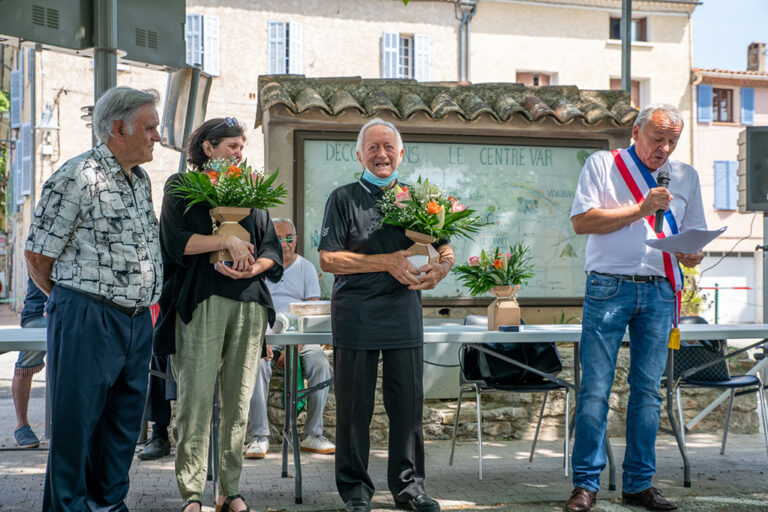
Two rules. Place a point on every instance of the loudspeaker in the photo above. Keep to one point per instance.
(753, 169)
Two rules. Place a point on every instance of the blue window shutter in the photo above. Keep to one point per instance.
(193, 32)
(276, 51)
(17, 98)
(747, 105)
(721, 185)
(704, 94)
(733, 185)
(27, 158)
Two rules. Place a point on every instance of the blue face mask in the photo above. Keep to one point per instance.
(380, 182)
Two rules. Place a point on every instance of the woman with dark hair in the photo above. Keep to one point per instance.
(213, 319)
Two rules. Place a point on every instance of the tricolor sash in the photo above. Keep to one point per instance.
(639, 180)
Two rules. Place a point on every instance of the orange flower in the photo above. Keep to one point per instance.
(433, 207)
(234, 171)
(212, 175)
(497, 263)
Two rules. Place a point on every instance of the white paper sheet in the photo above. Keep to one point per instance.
(687, 242)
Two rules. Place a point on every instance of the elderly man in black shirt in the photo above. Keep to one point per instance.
(376, 308)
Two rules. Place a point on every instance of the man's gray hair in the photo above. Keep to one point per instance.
(279, 220)
(373, 122)
(120, 104)
(670, 111)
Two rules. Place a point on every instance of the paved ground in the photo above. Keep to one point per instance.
(736, 482)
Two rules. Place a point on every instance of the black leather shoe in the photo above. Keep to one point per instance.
(420, 503)
(156, 448)
(358, 505)
(650, 498)
(581, 500)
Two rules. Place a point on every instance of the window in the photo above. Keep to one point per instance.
(638, 32)
(284, 48)
(634, 94)
(405, 56)
(202, 39)
(747, 105)
(532, 79)
(722, 105)
(726, 183)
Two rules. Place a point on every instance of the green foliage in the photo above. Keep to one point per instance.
(693, 301)
(425, 209)
(566, 320)
(5, 102)
(481, 274)
(222, 183)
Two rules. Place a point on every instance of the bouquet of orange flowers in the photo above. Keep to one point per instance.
(224, 182)
(424, 208)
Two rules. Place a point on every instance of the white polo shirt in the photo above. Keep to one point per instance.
(298, 284)
(624, 251)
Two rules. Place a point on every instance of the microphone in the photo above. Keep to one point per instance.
(662, 180)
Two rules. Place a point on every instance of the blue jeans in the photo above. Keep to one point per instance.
(610, 305)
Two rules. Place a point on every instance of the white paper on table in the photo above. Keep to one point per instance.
(687, 242)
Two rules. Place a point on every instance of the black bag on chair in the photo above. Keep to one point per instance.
(692, 355)
(477, 365)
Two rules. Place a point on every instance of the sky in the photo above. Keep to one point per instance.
(723, 29)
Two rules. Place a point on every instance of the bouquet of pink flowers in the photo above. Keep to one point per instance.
(227, 183)
(425, 209)
(481, 274)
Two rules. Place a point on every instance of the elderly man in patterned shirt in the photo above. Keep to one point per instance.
(93, 248)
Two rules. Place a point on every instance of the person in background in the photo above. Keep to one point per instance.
(299, 283)
(629, 286)
(212, 321)
(93, 247)
(376, 310)
(29, 363)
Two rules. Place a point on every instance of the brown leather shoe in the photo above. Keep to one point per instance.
(581, 500)
(650, 498)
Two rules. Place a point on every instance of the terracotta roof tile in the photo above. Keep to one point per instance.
(404, 98)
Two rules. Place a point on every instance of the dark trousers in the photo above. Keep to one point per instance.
(160, 392)
(97, 362)
(355, 375)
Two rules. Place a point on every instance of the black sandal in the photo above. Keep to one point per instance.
(230, 499)
(190, 502)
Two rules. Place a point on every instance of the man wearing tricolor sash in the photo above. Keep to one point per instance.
(630, 285)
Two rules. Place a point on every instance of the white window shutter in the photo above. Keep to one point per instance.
(390, 42)
(27, 160)
(276, 47)
(295, 58)
(423, 57)
(17, 98)
(193, 32)
(211, 45)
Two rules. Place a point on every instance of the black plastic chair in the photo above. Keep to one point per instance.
(714, 376)
(481, 387)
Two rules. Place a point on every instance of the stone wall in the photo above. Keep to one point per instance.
(514, 415)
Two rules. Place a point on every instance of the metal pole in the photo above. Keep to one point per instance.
(104, 48)
(190, 117)
(765, 267)
(626, 45)
(717, 289)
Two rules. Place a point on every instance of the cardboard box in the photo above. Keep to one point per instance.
(504, 311)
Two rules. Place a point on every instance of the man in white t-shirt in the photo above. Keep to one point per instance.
(629, 285)
(299, 283)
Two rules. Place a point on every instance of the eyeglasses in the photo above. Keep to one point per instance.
(287, 238)
(228, 121)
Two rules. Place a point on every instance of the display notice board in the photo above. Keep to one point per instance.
(522, 189)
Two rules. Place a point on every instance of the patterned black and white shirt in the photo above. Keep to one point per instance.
(101, 229)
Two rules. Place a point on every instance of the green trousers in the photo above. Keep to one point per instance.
(223, 338)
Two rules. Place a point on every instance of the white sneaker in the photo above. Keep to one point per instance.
(258, 448)
(317, 444)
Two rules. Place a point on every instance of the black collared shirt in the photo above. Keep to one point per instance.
(369, 310)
